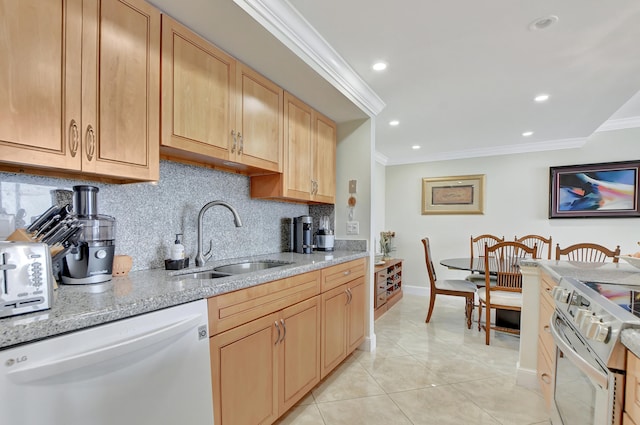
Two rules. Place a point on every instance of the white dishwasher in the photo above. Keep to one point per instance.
(148, 369)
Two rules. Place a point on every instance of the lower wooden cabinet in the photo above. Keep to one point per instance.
(270, 344)
(262, 368)
(546, 346)
(343, 322)
(632, 391)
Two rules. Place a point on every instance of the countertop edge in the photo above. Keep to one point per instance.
(81, 307)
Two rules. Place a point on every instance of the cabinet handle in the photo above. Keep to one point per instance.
(235, 141)
(545, 378)
(90, 138)
(278, 328)
(74, 138)
(349, 296)
(284, 328)
(547, 329)
(346, 273)
(241, 146)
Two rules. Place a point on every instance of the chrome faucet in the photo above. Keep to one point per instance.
(200, 257)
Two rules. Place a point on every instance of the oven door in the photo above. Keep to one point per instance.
(584, 390)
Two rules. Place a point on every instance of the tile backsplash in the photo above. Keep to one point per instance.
(148, 216)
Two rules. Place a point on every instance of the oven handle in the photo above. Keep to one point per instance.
(597, 376)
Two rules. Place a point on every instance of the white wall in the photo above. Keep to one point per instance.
(378, 194)
(516, 203)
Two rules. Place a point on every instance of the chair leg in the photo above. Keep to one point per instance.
(487, 327)
(479, 316)
(469, 310)
(432, 302)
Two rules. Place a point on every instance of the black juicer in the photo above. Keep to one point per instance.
(92, 260)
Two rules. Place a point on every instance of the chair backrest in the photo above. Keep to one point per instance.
(428, 259)
(478, 243)
(542, 243)
(588, 253)
(504, 258)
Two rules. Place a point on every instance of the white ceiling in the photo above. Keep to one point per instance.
(462, 74)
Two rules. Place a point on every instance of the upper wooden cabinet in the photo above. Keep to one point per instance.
(215, 110)
(309, 172)
(80, 79)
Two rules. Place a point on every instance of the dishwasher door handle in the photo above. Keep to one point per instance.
(92, 356)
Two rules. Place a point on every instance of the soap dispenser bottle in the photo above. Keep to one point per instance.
(177, 249)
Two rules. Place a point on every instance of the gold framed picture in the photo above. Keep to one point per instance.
(453, 195)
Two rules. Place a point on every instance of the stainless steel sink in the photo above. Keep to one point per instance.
(249, 266)
(203, 275)
(231, 269)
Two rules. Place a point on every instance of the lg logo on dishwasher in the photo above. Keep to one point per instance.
(11, 362)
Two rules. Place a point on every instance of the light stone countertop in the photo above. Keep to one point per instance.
(81, 306)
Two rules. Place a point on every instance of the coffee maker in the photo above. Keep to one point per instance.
(92, 260)
(302, 231)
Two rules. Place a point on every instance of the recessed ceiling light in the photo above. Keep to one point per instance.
(543, 23)
(379, 66)
(541, 98)
(527, 133)
(415, 147)
(394, 122)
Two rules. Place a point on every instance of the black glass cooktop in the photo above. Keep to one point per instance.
(626, 297)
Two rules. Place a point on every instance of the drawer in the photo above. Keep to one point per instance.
(233, 309)
(381, 299)
(334, 276)
(545, 374)
(544, 333)
(632, 388)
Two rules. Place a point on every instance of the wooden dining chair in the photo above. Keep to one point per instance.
(506, 294)
(588, 253)
(477, 250)
(456, 288)
(544, 244)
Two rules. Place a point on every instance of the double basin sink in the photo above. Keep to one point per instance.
(234, 269)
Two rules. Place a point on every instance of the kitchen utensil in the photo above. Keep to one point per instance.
(90, 260)
(26, 279)
(44, 217)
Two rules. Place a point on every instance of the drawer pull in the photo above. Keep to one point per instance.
(547, 329)
(347, 272)
(284, 329)
(546, 378)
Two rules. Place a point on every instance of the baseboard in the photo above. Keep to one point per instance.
(527, 377)
(369, 344)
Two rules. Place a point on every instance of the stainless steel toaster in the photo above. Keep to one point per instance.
(26, 279)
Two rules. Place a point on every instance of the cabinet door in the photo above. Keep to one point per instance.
(40, 86)
(356, 319)
(121, 88)
(324, 159)
(334, 329)
(244, 369)
(259, 121)
(198, 93)
(298, 148)
(299, 352)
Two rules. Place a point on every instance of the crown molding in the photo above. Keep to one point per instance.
(550, 145)
(619, 124)
(380, 158)
(287, 25)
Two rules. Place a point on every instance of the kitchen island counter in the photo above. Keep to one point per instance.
(77, 307)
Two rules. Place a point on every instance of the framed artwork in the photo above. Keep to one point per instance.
(453, 195)
(594, 190)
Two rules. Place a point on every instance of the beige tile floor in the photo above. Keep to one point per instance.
(437, 373)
